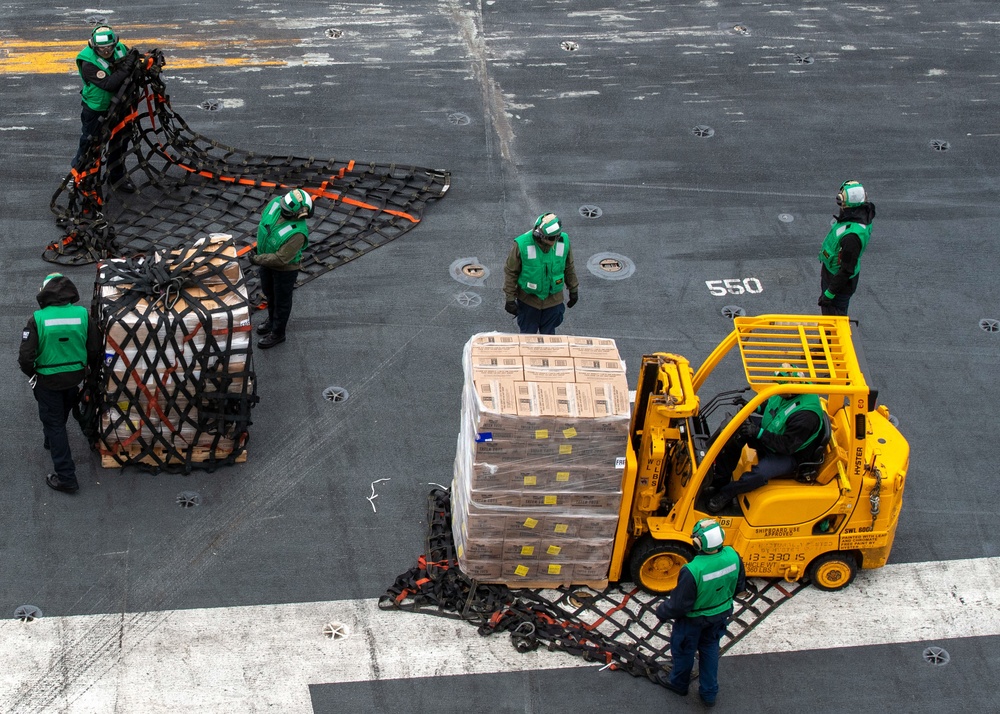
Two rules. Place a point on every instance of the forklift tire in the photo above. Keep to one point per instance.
(655, 564)
(833, 571)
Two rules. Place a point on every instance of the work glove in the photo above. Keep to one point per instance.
(255, 259)
(511, 307)
(573, 297)
(824, 301)
(748, 430)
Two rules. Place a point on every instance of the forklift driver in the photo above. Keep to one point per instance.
(785, 431)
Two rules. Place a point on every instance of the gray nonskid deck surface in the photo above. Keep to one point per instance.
(796, 98)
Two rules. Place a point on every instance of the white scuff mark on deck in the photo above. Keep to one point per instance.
(574, 95)
(312, 59)
(936, 72)
(232, 103)
(16, 128)
(371, 499)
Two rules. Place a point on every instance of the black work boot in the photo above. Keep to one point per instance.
(270, 340)
(57, 484)
(264, 328)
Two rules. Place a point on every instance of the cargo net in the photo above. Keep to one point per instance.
(189, 185)
(177, 386)
(615, 627)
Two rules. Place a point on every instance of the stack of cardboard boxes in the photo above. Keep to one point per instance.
(178, 380)
(538, 471)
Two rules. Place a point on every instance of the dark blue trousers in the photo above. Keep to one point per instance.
(840, 300)
(701, 635)
(278, 287)
(531, 320)
(90, 127)
(54, 408)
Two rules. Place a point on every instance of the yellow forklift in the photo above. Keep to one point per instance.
(837, 513)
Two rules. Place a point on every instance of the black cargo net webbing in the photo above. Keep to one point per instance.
(177, 386)
(190, 185)
(615, 627)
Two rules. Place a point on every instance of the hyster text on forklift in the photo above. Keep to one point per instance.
(837, 513)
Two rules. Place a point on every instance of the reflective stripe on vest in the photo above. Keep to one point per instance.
(542, 272)
(62, 339)
(715, 576)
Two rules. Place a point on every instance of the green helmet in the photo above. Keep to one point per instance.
(50, 276)
(851, 194)
(547, 227)
(103, 36)
(708, 535)
(296, 204)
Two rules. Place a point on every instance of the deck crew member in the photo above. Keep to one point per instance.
(58, 343)
(700, 607)
(843, 247)
(104, 64)
(538, 268)
(282, 235)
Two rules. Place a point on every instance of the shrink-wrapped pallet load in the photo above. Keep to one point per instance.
(538, 470)
(177, 382)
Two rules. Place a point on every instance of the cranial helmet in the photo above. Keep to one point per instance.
(103, 36)
(547, 227)
(50, 276)
(296, 204)
(851, 194)
(708, 535)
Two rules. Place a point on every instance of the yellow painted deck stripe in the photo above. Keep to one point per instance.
(59, 57)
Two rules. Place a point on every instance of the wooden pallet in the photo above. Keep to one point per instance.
(598, 585)
(131, 455)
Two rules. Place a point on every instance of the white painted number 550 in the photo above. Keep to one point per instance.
(734, 286)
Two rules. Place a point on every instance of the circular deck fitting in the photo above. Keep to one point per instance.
(989, 325)
(334, 33)
(591, 211)
(335, 394)
(27, 613)
(96, 20)
(786, 217)
(937, 656)
(469, 271)
(804, 59)
(459, 119)
(579, 598)
(703, 131)
(469, 299)
(474, 270)
(731, 311)
(570, 46)
(611, 266)
(336, 631)
(211, 105)
(939, 145)
(741, 30)
(188, 499)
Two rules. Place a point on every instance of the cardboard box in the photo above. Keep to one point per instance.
(549, 369)
(574, 401)
(544, 346)
(496, 344)
(497, 396)
(483, 571)
(521, 548)
(598, 370)
(596, 347)
(535, 399)
(607, 502)
(598, 527)
(489, 368)
(611, 399)
(589, 572)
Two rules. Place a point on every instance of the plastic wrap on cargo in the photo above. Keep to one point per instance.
(540, 458)
(178, 381)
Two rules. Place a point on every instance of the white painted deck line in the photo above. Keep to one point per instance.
(262, 658)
